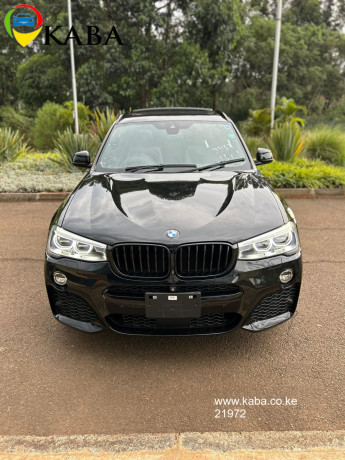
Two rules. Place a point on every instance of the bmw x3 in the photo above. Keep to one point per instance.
(173, 230)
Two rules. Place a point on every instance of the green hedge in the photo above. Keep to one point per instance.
(303, 173)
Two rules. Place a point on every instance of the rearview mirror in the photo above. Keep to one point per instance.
(263, 156)
(81, 159)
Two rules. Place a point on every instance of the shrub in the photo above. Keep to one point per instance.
(327, 144)
(286, 141)
(12, 144)
(36, 162)
(50, 119)
(253, 143)
(68, 143)
(287, 110)
(259, 121)
(103, 122)
(84, 115)
(11, 118)
(304, 173)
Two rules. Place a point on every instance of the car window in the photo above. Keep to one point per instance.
(171, 142)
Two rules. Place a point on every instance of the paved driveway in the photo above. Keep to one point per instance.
(56, 380)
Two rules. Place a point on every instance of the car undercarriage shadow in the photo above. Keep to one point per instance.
(237, 344)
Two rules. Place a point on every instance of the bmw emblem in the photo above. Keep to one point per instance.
(172, 234)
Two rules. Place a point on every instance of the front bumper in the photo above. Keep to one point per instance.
(250, 296)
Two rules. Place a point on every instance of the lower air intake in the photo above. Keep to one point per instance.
(275, 304)
(72, 306)
(205, 324)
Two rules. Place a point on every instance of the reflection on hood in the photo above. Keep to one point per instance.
(123, 207)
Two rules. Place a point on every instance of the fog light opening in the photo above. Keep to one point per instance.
(286, 276)
(60, 278)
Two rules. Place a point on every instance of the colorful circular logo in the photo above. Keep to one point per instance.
(172, 233)
(24, 19)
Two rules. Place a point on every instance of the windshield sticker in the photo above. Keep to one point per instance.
(227, 126)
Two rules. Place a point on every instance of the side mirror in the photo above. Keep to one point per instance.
(263, 156)
(81, 159)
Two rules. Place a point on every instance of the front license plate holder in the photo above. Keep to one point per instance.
(173, 305)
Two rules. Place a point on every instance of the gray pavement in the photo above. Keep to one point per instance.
(59, 381)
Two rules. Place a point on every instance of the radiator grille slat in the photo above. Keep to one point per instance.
(203, 260)
(190, 260)
(142, 260)
(211, 261)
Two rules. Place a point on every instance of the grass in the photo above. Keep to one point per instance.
(326, 144)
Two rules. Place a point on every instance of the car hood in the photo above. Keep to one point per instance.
(205, 206)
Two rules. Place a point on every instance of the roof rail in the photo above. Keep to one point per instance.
(223, 115)
(171, 111)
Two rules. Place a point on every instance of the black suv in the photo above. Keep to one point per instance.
(173, 230)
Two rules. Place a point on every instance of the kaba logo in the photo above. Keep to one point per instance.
(24, 23)
(93, 36)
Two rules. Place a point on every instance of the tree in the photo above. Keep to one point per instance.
(311, 63)
(216, 27)
(41, 78)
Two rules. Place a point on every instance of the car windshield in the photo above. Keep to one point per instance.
(172, 142)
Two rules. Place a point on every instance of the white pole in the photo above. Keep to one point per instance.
(276, 60)
(74, 83)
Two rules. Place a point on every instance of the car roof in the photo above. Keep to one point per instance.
(170, 113)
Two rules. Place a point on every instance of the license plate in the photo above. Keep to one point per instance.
(186, 305)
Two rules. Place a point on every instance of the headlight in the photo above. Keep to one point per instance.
(67, 244)
(279, 241)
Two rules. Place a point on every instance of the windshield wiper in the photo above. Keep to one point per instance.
(159, 167)
(220, 164)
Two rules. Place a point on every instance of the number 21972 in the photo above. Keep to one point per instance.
(230, 413)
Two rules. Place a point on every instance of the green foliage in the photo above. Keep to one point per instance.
(41, 78)
(216, 27)
(84, 115)
(259, 121)
(313, 49)
(304, 173)
(50, 119)
(327, 144)
(12, 118)
(68, 143)
(286, 111)
(89, 86)
(180, 52)
(103, 121)
(36, 162)
(12, 145)
(286, 141)
(253, 143)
